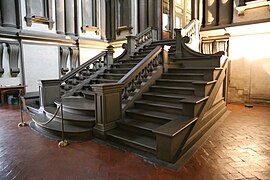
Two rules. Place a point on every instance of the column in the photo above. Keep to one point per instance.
(8, 13)
(142, 15)
(225, 12)
(60, 17)
(69, 17)
(211, 13)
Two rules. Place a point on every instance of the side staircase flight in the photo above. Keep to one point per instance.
(160, 98)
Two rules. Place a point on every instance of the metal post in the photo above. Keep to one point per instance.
(64, 142)
(22, 123)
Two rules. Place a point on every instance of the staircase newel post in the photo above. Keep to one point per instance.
(49, 91)
(109, 56)
(154, 34)
(108, 107)
(165, 58)
(178, 50)
(131, 45)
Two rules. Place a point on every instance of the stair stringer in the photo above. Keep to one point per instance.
(175, 138)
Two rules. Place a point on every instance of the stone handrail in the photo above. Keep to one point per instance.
(135, 43)
(86, 66)
(133, 79)
(87, 71)
(191, 28)
(145, 37)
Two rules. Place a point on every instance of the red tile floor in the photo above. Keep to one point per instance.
(238, 149)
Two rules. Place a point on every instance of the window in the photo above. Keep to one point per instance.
(90, 15)
(39, 11)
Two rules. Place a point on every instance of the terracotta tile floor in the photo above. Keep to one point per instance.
(238, 149)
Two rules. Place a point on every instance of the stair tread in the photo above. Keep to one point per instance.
(196, 68)
(177, 96)
(113, 74)
(146, 125)
(161, 104)
(158, 114)
(175, 80)
(106, 80)
(184, 74)
(88, 92)
(70, 116)
(56, 125)
(78, 103)
(140, 140)
(180, 88)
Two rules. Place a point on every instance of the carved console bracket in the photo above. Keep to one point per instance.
(74, 57)
(13, 50)
(1, 60)
(251, 5)
(64, 51)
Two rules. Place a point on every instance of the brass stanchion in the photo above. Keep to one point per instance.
(64, 142)
(21, 104)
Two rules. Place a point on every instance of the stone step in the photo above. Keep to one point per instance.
(194, 62)
(183, 76)
(119, 70)
(167, 107)
(78, 105)
(123, 65)
(54, 130)
(70, 118)
(88, 94)
(174, 83)
(139, 127)
(134, 60)
(141, 142)
(110, 76)
(102, 81)
(155, 96)
(174, 90)
(152, 116)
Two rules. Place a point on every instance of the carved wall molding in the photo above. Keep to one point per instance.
(64, 52)
(1, 60)
(74, 57)
(14, 50)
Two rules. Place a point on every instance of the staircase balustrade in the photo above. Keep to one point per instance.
(138, 74)
(135, 43)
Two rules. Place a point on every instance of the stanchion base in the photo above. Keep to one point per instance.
(22, 124)
(63, 143)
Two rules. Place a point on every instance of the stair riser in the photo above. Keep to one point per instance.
(123, 65)
(101, 81)
(208, 74)
(182, 77)
(142, 117)
(80, 112)
(136, 130)
(174, 84)
(136, 146)
(203, 90)
(174, 91)
(86, 96)
(113, 77)
(164, 99)
(158, 108)
(72, 122)
(69, 136)
(117, 71)
(132, 60)
(196, 63)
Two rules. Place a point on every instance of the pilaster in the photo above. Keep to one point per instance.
(60, 17)
(70, 17)
(8, 13)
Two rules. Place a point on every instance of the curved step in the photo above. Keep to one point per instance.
(78, 105)
(70, 118)
(53, 129)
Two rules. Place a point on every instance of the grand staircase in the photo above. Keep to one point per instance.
(170, 97)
